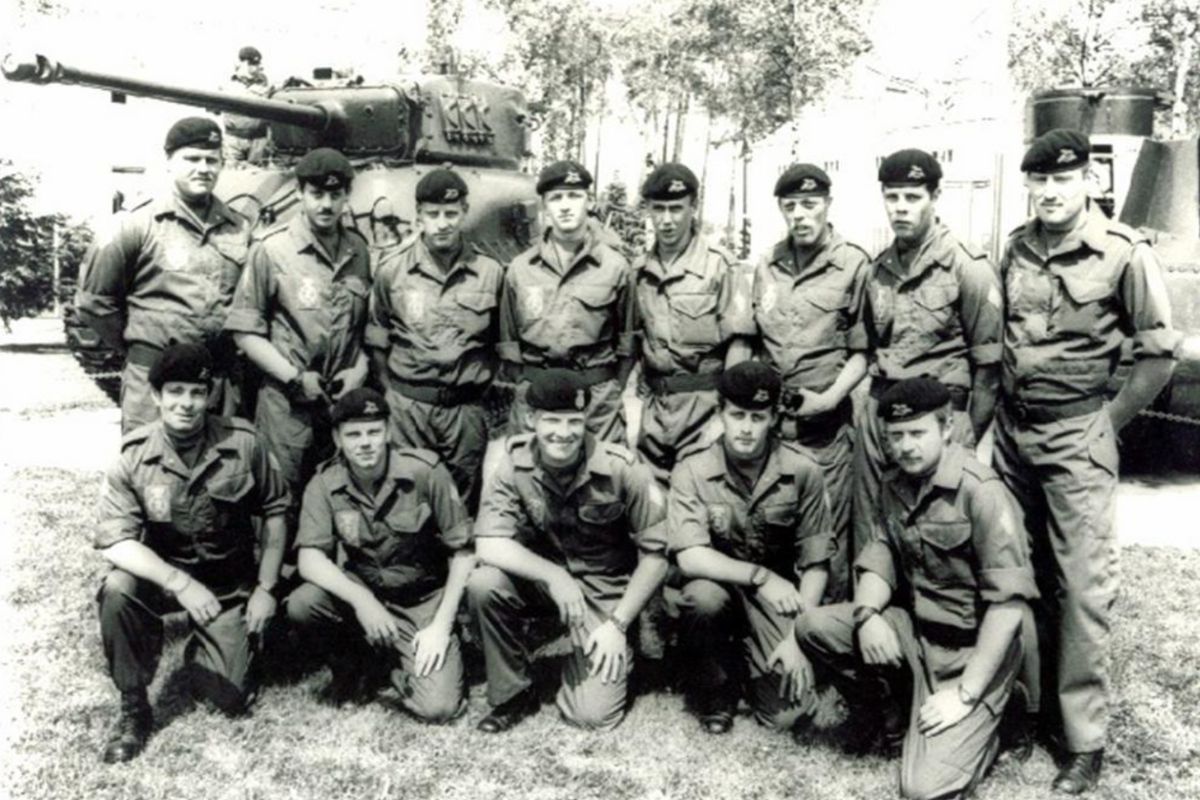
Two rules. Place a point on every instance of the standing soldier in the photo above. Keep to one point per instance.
(177, 522)
(749, 525)
(405, 533)
(299, 315)
(568, 525)
(567, 304)
(432, 333)
(168, 272)
(246, 137)
(1076, 285)
(942, 588)
(693, 319)
(808, 303)
(932, 309)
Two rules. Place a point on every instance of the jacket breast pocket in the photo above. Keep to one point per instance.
(1082, 304)
(474, 311)
(945, 551)
(937, 309)
(590, 309)
(230, 495)
(694, 319)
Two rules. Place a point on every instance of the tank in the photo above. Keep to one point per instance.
(393, 131)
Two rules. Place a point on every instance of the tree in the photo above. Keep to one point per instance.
(27, 248)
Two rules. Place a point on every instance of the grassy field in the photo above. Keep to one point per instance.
(61, 703)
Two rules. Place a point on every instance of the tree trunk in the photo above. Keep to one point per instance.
(666, 118)
(681, 112)
(704, 160)
(1179, 110)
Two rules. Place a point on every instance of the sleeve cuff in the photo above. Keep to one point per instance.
(653, 539)
(376, 336)
(626, 343)
(1008, 583)
(984, 354)
(501, 530)
(685, 536)
(815, 549)
(98, 305)
(324, 542)
(856, 340)
(1156, 343)
(246, 320)
(109, 533)
(459, 536)
(877, 558)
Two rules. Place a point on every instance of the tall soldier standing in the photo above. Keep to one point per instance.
(932, 309)
(299, 315)
(246, 137)
(168, 272)
(693, 319)
(808, 303)
(432, 332)
(1076, 285)
(567, 304)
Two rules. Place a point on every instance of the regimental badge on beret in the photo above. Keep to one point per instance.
(580, 399)
(670, 181)
(916, 173)
(370, 407)
(901, 409)
(199, 132)
(676, 186)
(572, 177)
(808, 185)
(910, 167)
(761, 396)
(912, 398)
(451, 195)
(1067, 156)
(183, 363)
(557, 390)
(214, 138)
(441, 185)
(802, 179)
(562, 174)
(363, 404)
(1057, 150)
(751, 385)
(326, 168)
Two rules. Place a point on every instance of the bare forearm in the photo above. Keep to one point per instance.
(985, 385)
(812, 584)
(516, 559)
(264, 356)
(461, 564)
(851, 373)
(1145, 381)
(317, 568)
(872, 590)
(1001, 621)
(738, 351)
(139, 560)
(705, 562)
(274, 543)
(651, 571)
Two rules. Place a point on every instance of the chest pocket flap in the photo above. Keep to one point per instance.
(602, 513)
(1083, 290)
(945, 535)
(480, 302)
(779, 515)
(694, 306)
(594, 296)
(827, 299)
(228, 487)
(936, 296)
(408, 519)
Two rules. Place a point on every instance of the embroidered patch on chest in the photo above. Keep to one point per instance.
(158, 503)
(348, 523)
(720, 518)
(308, 293)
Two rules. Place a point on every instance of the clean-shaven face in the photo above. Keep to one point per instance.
(672, 220)
(560, 435)
(363, 442)
(910, 211)
(1058, 198)
(194, 170)
(182, 406)
(441, 223)
(566, 209)
(806, 216)
(746, 431)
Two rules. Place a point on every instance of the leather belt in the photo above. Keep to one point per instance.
(439, 395)
(590, 375)
(947, 635)
(685, 382)
(1051, 412)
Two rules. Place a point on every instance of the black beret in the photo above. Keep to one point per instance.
(193, 132)
(751, 385)
(250, 54)
(910, 168)
(912, 398)
(558, 390)
(441, 186)
(359, 405)
(326, 168)
(1057, 151)
(563, 175)
(186, 363)
(802, 179)
(670, 181)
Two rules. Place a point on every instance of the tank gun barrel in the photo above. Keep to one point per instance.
(41, 70)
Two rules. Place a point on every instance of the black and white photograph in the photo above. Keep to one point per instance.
(544, 399)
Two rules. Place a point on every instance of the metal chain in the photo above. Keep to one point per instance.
(1169, 417)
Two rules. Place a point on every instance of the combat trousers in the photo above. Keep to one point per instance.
(457, 433)
(137, 400)
(670, 423)
(501, 604)
(437, 697)
(712, 616)
(830, 441)
(1064, 474)
(131, 628)
(954, 761)
(236, 148)
(871, 458)
(298, 435)
(605, 412)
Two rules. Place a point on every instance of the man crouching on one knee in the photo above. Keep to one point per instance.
(942, 588)
(572, 526)
(176, 521)
(406, 534)
(749, 523)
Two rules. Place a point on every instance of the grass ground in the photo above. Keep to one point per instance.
(56, 702)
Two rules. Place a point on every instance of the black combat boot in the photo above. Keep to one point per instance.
(131, 730)
(1080, 773)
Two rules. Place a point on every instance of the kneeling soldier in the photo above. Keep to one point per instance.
(749, 522)
(176, 522)
(406, 533)
(949, 549)
(572, 524)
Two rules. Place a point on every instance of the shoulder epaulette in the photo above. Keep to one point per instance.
(427, 457)
(978, 470)
(135, 436)
(972, 253)
(619, 451)
(141, 203)
(795, 451)
(695, 449)
(853, 246)
(241, 424)
(1131, 235)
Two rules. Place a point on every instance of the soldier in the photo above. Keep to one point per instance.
(406, 535)
(299, 315)
(167, 273)
(932, 309)
(567, 304)
(808, 304)
(941, 592)
(246, 137)
(693, 319)
(749, 524)
(1076, 285)
(432, 333)
(177, 522)
(570, 524)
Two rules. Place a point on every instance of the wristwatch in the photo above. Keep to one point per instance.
(759, 576)
(862, 614)
(965, 696)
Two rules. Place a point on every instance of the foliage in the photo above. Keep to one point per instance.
(27, 248)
